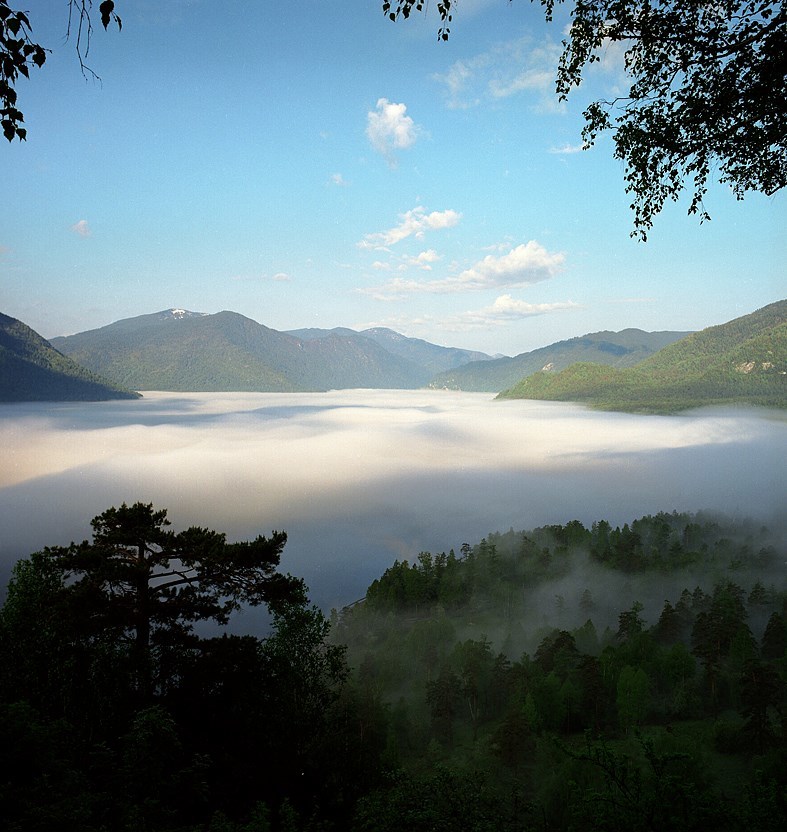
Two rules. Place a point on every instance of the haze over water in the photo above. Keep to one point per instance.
(359, 478)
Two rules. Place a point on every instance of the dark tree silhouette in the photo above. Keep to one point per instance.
(147, 586)
(761, 691)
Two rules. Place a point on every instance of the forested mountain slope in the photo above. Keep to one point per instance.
(432, 358)
(613, 349)
(187, 351)
(743, 361)
(32, 370)
(227, 351)
(543, 670)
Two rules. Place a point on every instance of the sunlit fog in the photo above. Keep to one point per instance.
(360, 478)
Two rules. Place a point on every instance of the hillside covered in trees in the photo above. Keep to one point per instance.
(611, 349)
(189, 351)
(558, 678)
(743, 361)
(32, 370)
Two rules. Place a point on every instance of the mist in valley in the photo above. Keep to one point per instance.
(590, 592)
(360, 478)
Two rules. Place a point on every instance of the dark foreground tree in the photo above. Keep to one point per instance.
(139, 585)
(116, 714)
(708, 92)
(660, 791)
(442, 801)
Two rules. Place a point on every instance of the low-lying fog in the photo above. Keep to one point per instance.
(358, 478)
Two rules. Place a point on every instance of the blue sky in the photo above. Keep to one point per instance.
(312, 164)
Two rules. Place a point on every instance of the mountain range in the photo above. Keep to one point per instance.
(32, 370)
(613, 349)
(188, 351)
(744, 360)
(179, 350)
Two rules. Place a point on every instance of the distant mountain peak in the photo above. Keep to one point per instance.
(175, 349)
(384, 330)
(179, 314)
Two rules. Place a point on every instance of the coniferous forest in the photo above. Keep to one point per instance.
(564, 677)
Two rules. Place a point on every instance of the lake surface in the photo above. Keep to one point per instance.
(359, 478)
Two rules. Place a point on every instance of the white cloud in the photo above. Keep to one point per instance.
(81, 228)
(612, 60)
(504, 310)
(461, 79)
(509, 68)
(281, 277)
(528, 79)
(395, 289)
(527, 263)
(338, 179)
(568, 149)
(423, 260)
(415, 222)
(389, 128)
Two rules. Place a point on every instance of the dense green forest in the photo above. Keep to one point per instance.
(743, 361)
(565, 677)
(611, 349)
(189, 351)
(32, 370)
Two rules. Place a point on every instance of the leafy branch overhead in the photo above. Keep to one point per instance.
(79, 12)
(108, 14)
(19, 53)
(707, 96)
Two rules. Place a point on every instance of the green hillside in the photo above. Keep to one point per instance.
(743, 361)
(613, 349)
(427, 357)
(32, 370)
(201, 353)
(431, 357)
(176, 350)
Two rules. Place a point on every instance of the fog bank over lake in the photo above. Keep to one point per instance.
(358, 478)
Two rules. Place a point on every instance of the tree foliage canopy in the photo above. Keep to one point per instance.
(708, 86)
(114, 714)
(19, 53)
(141, 584)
